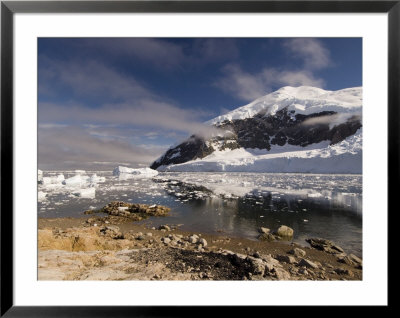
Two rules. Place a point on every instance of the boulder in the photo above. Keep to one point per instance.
(111, 231)
(270, 260)
(324, 245)
(166, 240)
(345, 260)
(203, 242)
(297, 252)
(355, 259)
(284, 232)
(342, 271)
(257, 265)
(266, 237)
(286, 259)
(307, 263)
(193, 239)
(281, 274)
(164, 227)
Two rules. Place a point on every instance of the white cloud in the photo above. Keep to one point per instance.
(89, 79)
(123, 100)
(213, 49)
(248, 86)
(311, 51)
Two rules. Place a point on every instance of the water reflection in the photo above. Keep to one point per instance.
(328, 206)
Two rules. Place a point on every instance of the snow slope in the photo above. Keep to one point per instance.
(303, 100)
(322, 157)
(344, 157)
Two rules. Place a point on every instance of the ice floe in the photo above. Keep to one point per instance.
(128, 173)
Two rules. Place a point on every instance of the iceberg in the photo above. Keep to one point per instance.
(77, 180)
(126, 173)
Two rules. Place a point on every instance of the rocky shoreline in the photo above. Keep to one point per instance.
(112, 247)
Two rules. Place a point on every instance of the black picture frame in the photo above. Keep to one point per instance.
(8, 8)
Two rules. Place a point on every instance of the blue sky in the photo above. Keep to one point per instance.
(108, 101)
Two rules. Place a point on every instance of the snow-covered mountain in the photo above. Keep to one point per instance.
(294, 129)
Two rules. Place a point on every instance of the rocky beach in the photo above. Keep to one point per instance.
(107, 244)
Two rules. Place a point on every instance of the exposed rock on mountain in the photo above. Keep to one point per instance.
(290, 119)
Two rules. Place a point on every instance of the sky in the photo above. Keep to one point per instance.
(104, 102)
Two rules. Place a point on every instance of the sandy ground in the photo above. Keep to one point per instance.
(105, 249)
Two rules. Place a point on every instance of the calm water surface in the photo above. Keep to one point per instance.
(237, 204)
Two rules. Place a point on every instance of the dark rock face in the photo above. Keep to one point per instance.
(262, 132)
(193, 148)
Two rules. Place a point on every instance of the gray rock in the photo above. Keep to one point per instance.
(286, 259)
(269, 268)
(297, 252)
(342, 271)
(164, 227)
(111, 231)
(257, 265)
(324, 245)
(355, 259)
(269, 259)
(281, 274)
(307, 263)
(345, 260)
(267, 237)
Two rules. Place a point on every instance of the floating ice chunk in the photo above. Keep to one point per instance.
(127, 173)
(52, 180)
(77, 180)
(314, 195)
(41, 196)
(60, 178)
(80, 172)
(85, 193)
(96, 179)
(40, 175)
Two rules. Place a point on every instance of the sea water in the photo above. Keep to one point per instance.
(234, 204)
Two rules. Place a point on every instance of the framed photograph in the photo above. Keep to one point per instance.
(196, 153)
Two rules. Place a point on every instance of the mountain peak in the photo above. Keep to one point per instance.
(304, 121)
(303, 100)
